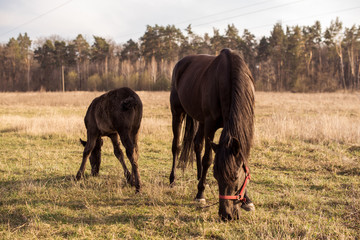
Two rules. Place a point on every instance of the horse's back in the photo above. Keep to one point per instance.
(190, 67)
(198, 81)
(188, 82)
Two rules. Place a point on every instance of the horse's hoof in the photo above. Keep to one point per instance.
(250, 207)
(200, 200)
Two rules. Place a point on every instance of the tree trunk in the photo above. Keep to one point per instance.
(28, 73)
(342, 75)
(106, 65)
(308, 63)
(352, 66)
(358, 75)
(320, 60)
(78, 72)
(62, 78)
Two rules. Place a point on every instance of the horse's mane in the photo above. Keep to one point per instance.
(240, 122)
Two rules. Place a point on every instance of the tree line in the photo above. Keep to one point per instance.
(294, 58)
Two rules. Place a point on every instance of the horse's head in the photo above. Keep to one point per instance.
(232, 175)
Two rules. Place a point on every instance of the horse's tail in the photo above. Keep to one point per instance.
(187, 148)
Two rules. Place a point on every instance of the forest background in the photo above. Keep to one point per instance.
(294, 58)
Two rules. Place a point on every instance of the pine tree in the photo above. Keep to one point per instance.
(277, 53)
(82, 52)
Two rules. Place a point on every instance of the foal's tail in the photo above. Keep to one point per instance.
(128, 103)
(187, 148)
(83, 142)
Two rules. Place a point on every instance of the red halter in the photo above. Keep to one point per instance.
(240, 195)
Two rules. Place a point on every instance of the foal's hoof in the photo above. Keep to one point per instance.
(129, 179)
(173, 184)
(250, 207)
(133, 182)
(172, 179)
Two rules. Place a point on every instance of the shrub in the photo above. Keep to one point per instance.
(162, 83)
(94, 82)
(71, 81)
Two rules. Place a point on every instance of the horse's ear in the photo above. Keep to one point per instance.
(214, 146)
(235, 146)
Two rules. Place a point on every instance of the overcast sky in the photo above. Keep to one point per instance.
(121, 20)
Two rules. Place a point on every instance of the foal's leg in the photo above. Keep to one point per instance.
(131, 153)
(134, 138)
(90, 144)
(95, 157)
(119, 155)
(209, 129)
(198, 146)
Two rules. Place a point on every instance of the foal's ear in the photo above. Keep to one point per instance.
(214, 146)
(235, 146)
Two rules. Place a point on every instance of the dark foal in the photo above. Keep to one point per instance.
(115, 114)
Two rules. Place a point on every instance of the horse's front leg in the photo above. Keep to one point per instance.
(198, 146)
(209, 131)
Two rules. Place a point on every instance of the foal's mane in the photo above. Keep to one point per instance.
(240, 122)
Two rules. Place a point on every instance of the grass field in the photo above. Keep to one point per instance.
(305, 167)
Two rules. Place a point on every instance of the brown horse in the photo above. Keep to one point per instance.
(113, 114)
(213, 92)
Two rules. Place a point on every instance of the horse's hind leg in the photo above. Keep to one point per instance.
(177, 119)
(198, 146)
(95, 157)
(90, 144)
(130, 145)
(176, 128)
(119, 155)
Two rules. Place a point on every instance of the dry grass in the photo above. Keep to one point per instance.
(305, 173)
(280, 116)
(62, 114)
(309, 117)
